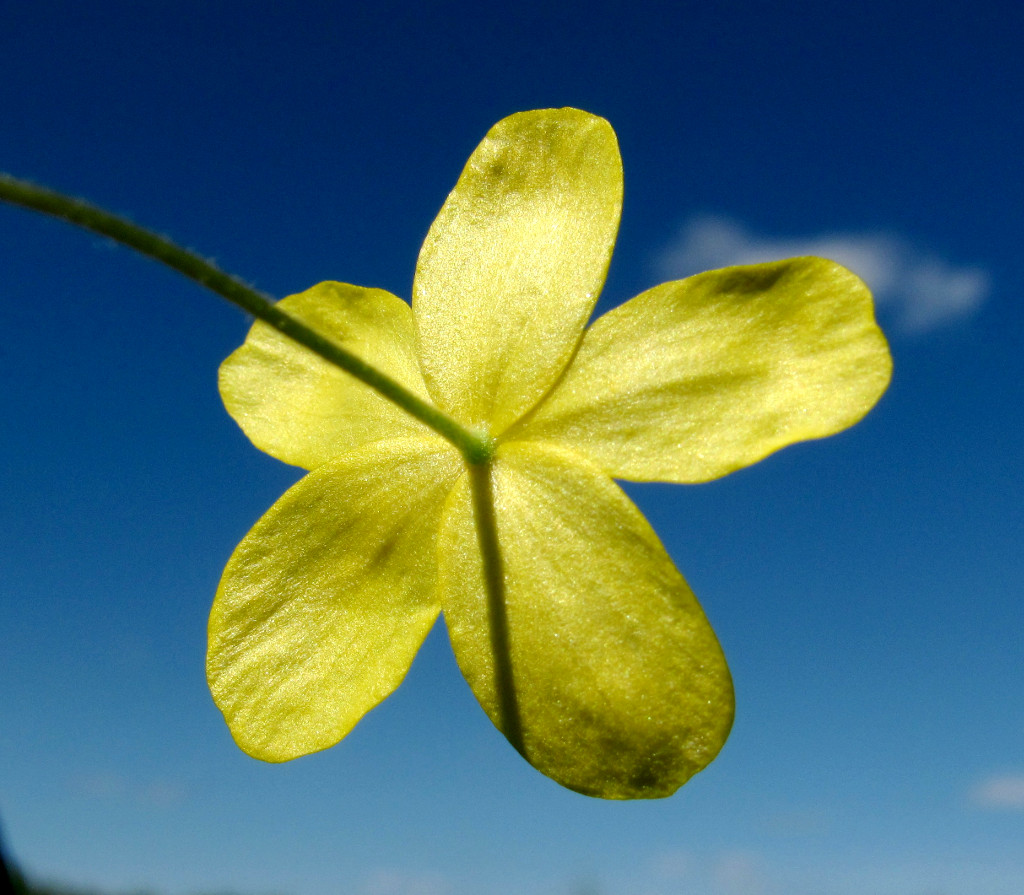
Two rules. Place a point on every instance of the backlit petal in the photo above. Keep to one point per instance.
(621, 687)
(699, 377)
(303, 410)
(325, 602)
(513, 264)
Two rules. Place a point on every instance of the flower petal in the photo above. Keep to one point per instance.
(325, 602)
(511, 268)
(620, 685)
(303, 410)
(696, 378)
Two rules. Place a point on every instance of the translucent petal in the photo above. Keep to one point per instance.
(299, 408)
(511, 268)
(696, 378)
(325, 602)
(620, 685)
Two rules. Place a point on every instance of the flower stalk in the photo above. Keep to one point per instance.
(476, 447)
(511, 723)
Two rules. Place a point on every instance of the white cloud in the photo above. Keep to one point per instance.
(918, 290)
(110, 786)
(727, 872)
(674, 864)
(738, 873)
(823, 871)
(1000, 792)
(389, 881)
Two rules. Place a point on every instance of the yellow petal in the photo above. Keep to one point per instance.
(511, 268)
(620, 685)
(325, 602)
(299, 408)
(696, 378)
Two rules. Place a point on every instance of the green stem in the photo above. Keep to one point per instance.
(476, 447)
(509, 720)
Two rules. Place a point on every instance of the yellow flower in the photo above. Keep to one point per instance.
(579, 637)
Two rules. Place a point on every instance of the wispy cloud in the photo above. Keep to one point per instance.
(917, 290)
(739, 873)
(110, 786)
(673, 864)
(728, 872)
(391, 881)
(1004, 792)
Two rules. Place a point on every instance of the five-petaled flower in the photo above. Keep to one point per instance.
(568, 619)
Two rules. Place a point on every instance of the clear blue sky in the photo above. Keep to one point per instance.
(866, 588)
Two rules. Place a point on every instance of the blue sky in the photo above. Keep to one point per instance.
(866, 588)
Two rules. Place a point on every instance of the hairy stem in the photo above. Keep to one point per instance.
(476, 447)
